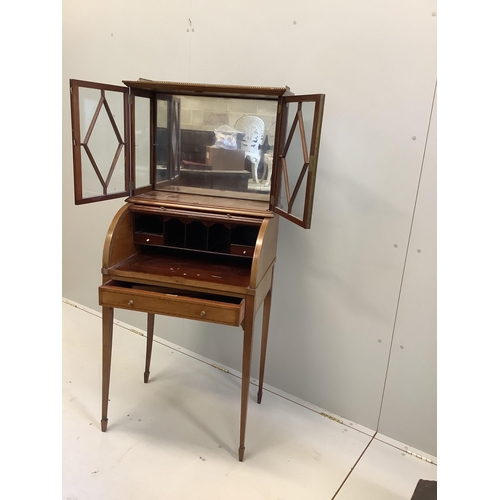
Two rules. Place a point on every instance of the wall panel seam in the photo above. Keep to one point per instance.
(406, 257)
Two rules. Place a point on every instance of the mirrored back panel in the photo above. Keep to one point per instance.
(217, 146)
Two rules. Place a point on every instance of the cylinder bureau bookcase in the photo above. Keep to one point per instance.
(197, 235)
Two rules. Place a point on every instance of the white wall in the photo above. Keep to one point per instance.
(409, 401)
(349, 287)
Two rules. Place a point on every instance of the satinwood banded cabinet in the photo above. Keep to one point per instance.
(206, 171)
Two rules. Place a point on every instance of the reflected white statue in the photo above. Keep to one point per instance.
(253, 127)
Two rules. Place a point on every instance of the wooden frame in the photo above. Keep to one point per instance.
(80, 142)
(231, 302)
(151, 89)
(310, 157)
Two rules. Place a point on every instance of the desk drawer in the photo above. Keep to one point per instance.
(148, 239)
(180, 303)
(242, 250)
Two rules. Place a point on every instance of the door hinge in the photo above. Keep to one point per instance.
(130, 186)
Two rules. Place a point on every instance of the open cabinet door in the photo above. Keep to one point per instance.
(101, 156)
(299, 132)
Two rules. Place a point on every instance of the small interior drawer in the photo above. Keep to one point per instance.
(244, 250)
(148, 239)
(171, 302)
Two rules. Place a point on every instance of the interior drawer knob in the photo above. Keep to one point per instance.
(203, 313)
(130, 302)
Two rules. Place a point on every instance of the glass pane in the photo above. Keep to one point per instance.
(142, 141)
(293, 185)
(91, 185)
(282, 198)
(300, 199)
(102, 136)
(115, 102)
(89, 99)
(117, 181)
(224, 149)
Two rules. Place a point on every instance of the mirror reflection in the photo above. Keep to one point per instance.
(214, 145)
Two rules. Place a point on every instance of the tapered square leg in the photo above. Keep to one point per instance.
(107, 341)
(149, 345)
(263, 347)
(245, 372)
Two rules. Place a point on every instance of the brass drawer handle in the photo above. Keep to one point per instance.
(130, 302)
(203, 313)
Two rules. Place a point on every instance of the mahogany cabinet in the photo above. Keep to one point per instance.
(206, 170)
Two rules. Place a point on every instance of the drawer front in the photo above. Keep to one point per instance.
(245, 250)
(202, 309)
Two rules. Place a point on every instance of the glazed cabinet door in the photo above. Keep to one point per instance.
(100, 131)
(298, 148)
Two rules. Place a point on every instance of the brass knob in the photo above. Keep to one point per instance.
(203, 313)
(130, 302)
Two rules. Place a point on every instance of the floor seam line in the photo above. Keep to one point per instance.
(353, 467)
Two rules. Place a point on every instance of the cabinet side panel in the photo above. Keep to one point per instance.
(265, 250)
(119, 243)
